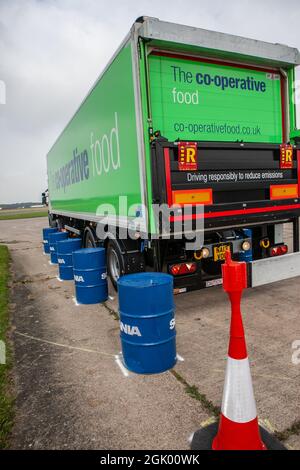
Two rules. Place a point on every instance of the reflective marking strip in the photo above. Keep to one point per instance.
(193, 196)
(298, 170)
(168, 176)
(252, 210)
(238, 402)
(283, 191)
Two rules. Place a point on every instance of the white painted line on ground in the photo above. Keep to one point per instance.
(41, 340)
(121, 366)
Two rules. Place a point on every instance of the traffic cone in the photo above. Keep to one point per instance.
(238, 426)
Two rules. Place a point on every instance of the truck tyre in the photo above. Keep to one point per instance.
(90, 239)
(115, 262)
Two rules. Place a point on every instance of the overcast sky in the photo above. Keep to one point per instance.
(51, 52)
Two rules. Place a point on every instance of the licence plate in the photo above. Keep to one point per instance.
(219, 252)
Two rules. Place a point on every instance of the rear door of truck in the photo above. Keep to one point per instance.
(219, 130)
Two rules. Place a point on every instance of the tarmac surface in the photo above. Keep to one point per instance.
(71, 392)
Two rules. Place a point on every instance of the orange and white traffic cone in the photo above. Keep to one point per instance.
(238, 427)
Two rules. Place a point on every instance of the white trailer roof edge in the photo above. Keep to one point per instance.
(278, 55)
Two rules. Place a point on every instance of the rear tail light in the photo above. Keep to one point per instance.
(274, 251)
(284, 249)
(278, 250)
(182, 268)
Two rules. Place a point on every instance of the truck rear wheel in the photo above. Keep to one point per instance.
(90, 240)
(115, 262)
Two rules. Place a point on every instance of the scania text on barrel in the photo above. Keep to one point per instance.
(53, 239)
(65, 249)
(46, 233)
(89, 266)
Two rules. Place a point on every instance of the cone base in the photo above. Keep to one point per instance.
(238, 436)
(203, 438)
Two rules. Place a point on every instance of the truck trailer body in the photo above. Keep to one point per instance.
(186, 145)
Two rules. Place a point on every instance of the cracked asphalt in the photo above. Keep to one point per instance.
(71, 393)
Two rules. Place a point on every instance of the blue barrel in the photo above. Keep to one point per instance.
(53, 239)
(147, 322)
(46, 233)
(89, 267)
(65, 250)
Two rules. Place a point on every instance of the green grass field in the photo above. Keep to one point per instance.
(6, 400)
(22, 215)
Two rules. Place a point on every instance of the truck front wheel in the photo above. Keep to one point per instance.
(52, 221)
(115, 262)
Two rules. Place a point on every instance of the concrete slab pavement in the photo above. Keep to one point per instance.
(70, 391)
(72, 394)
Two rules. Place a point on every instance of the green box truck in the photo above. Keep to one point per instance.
(185, 146)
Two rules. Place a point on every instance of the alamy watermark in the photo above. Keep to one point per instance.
(296, 353)
(2, 92)
(177, 222)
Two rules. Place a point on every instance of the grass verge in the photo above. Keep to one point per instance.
(294, 429)
(6, 399)
(24, 215)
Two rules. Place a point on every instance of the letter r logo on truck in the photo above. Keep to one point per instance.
(286, 156)
(187, 156)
